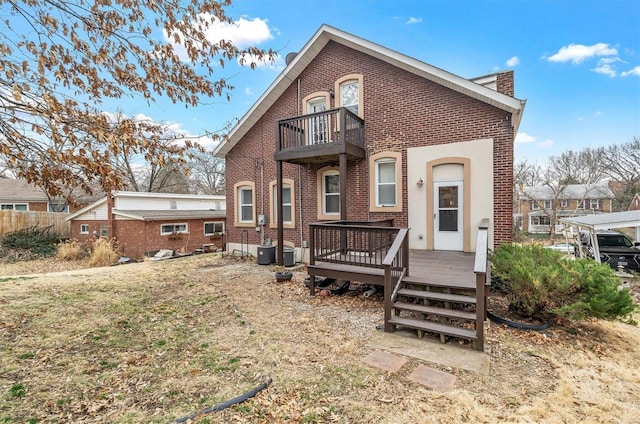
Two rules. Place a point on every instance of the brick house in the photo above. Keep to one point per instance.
(351, 130)
(143, 223)
(19, 195)
(538, 206)
(635, 203)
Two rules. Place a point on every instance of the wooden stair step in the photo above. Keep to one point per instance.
(432, 295)
(451, 283)
(433, 327)
(433, 310)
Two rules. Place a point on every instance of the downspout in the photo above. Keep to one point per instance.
(300, 190)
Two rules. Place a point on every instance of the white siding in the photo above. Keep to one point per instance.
(99, 213)
(164, 203)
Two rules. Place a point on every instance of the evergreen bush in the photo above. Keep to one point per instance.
(40, 241)
(541, 283)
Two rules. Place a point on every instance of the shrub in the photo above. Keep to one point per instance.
(540, 283)
(40, 241)
(70, 250)
(103, 253)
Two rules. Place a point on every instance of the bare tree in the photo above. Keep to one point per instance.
(59, 60)
(622, 164)
(208, 174)
(582, 167)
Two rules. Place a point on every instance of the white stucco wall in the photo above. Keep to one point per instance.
(480, 155)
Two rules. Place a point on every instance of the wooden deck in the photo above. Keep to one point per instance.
(427, 266)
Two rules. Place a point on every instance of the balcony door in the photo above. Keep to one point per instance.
(317, 125)
(448, 227)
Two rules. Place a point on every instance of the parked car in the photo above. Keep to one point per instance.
(616, 249)
(567, 248)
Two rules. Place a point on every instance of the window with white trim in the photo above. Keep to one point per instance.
(350, 95)
(540, 220)
(564, 203)
(14, 207)
(104, 230)
(286, 204)
(58, 207)
(331, 193)
(386, 183)
(213, 228)
(548, 204)
(581, 204)
(84, 228)
(534, 205)
(167, 229)
(595, 203)
(245, 204)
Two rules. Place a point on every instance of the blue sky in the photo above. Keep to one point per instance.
(577, 63)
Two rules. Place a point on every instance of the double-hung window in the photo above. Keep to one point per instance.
(386, 184)
(245, 204)
(331, 193)
(213, 228)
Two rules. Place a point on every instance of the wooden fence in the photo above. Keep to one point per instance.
(16, 220)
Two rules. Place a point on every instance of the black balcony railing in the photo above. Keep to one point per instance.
(316, 129)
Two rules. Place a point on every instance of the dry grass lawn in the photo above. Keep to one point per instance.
(156, 341)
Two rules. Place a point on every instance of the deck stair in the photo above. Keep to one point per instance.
(444, 309)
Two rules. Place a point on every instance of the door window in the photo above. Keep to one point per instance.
(448, 208)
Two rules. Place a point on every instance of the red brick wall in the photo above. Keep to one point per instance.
(401, 110)
(137, 238)
(38, 206)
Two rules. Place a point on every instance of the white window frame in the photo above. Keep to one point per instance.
(241, 205)
(238, 189)
(394, 183)
(274, 204)
(325, 194)
(374, 182)
(177, 228)
(346, 80)
(24, 207)
(104, 230)
(548, 204)
(50, 208)
(216, 225)
(564, 203)
(580, 204)
(594, 203)
(84, 228)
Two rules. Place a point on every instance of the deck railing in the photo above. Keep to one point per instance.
(482, 270)
(396, 266)
(336, 125)
(363, 243)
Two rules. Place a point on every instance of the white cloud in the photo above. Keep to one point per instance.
(577, 53)
(242, 33)
(524, 138)
(596, 114)
(248, 91)
(514, 61)
(605, 69)
(547, 144)
(413, 20)
(265, 63)
(635, 72)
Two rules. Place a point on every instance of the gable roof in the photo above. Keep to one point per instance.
(635, 203)
(20, 191)
(324, 35)
(571, 191)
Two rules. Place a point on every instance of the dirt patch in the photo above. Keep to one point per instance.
(155, 341)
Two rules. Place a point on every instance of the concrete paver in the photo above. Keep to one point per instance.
(406, 344)
(384, 360)
(433, 379)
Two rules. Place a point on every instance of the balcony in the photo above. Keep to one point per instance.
(320, 137)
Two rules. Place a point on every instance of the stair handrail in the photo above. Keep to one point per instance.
(481, 270)
(395, 263)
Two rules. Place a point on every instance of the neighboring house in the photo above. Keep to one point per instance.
(539, 206)
(635, 203)
(18, 195)
(359, 132)
(143, 223)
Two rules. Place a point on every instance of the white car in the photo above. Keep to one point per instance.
(567, 248)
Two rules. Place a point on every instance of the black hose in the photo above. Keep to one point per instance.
(518, 325)
(229, 403)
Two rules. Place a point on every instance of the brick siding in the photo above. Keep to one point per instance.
(401, 110)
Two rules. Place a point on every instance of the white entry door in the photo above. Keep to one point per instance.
(448, 228)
